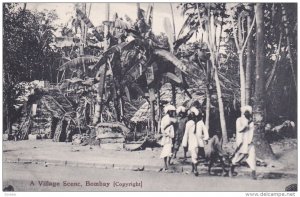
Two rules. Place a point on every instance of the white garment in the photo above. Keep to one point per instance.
(250, 158)
(193, 140)
(246, 136)
(168, 135)
(203, 132)
(166, 151)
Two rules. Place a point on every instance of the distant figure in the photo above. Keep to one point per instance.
(179, 132)
(192, 137)
(167, 128)
(244, 135)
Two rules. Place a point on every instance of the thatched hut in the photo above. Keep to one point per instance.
(42, 114)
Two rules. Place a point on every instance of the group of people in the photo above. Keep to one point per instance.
(186, 128)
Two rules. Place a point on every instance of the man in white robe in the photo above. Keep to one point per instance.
(203, 135)
(193, 137)
(244, 137)
(167, 128)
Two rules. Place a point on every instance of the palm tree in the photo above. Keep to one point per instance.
(263, 149)
(249, 63)
(241, 41)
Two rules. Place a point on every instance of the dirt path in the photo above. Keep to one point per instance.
(21, 177)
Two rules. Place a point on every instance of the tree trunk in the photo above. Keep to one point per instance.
(158, 111)
(249, 62)
(8, 117)
(220, 101)
(263, 148)
(173, 95)
(285, 23)
(107, 11)
(138, 6)
(99, 104)
(275, 63)
(83, 31)
(173, 21)
(207, 111)
(242, 79)
(152, 108)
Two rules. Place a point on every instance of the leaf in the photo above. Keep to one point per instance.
(149, 15)
(173, 77)
(116, 49)
(169, 57)
(77, 63)
(85, 19)
(127, 93)
(184, 39)
(169, 31)
(187, 23)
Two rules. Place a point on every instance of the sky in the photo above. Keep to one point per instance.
(98, 12)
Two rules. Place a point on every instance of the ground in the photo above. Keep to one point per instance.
(20, 176)
(27, 161)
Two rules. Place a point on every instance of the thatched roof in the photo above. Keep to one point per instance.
(144, 115)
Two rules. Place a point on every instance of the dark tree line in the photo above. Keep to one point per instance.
(27, 53)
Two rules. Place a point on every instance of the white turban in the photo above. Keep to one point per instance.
(180, 109)
(169, 108)
(246, 108)
(194, 110)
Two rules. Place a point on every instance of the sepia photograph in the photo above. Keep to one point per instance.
(149, 97)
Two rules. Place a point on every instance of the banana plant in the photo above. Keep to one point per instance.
(140, 64)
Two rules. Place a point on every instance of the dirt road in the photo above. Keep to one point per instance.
(36, 177)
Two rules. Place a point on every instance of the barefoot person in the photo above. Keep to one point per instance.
(204, 136)
(244, 136)
(191, 137)
(179, 132)
(167, 127)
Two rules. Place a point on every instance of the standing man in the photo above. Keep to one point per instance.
(179, 132)
(191, 138)
(167, 128)
(203, 135)
(244, 137)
